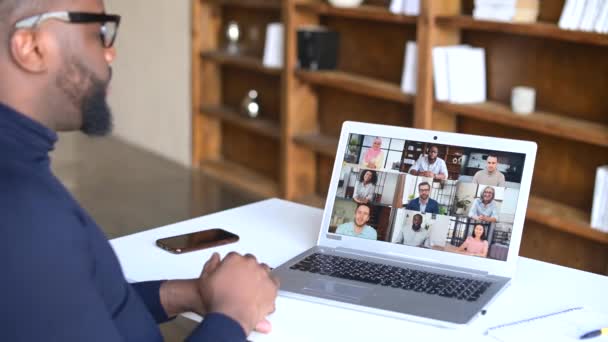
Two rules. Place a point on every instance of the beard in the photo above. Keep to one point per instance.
(96, 113)
(88, 95)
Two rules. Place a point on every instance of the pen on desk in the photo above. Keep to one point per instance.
(594, 333)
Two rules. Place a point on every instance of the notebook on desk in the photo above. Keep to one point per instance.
(418, 224)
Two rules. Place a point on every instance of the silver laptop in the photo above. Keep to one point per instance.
(418, 224)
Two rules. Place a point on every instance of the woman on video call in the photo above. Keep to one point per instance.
(364, 190)
(476, 244)
(484, 208)
(374, 156)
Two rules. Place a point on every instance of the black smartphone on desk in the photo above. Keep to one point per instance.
(198, 240)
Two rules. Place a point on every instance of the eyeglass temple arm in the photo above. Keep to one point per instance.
(37, 19)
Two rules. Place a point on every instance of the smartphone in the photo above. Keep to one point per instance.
(198, 240)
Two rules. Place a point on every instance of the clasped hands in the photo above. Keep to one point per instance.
(238, 286)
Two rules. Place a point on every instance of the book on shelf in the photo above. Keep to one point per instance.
(567, 16)
(459, 74)
(601, 22)
(407, 7)
(507, 10)
(410, 67)
(585, 15)
(599, 212)
(397, 6)
(440, 71)
(589, 14)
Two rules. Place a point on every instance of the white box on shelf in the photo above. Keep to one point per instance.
(273, 48)
(412, 7)
(410, 67)
(599, 212)
(397, 6)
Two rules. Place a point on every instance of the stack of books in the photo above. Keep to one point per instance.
(522, 11)
(599, 213)
(407, 7)
(585, 15)
(459, 74)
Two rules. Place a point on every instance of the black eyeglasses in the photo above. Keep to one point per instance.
(107, 33)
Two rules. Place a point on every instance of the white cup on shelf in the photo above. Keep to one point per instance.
(523, 100)
(345, 3)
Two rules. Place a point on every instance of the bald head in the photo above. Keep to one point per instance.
(56, 71)
(11, 10)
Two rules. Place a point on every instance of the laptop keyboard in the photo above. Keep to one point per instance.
(392, 276)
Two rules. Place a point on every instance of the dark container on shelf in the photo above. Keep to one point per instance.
(317, 48)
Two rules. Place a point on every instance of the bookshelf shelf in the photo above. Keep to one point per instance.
(263, 127)
(542, 122)
(564, 218)
(259, 4)
(539, 29)
(241, 177)
(241, 61)
(365, 12)
(356, 84)
(323, 144)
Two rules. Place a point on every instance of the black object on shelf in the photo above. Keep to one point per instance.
(317, 48)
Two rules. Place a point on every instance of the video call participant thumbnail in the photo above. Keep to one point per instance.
(359, 227)
(430, 165)
(491, 175)
(423, 202)
(414, 235)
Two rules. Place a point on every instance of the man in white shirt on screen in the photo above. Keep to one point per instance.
(416, 235)
(430, 165)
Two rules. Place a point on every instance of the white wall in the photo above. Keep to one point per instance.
(150, 92)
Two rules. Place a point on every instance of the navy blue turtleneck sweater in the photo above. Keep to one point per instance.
(61, 280)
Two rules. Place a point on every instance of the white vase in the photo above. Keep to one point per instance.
(345, 3)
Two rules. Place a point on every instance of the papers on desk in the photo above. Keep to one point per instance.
(560, 325)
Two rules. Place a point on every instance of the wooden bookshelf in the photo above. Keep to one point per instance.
(306, 108)
(356, 84)
(365, 12)
(539, 29)
(542, 122)
(261, 126)
(245, 62)
(323, 144)
(565, 68)
(256, 4)
(241, 177)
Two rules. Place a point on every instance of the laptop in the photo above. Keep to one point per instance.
(420, 225)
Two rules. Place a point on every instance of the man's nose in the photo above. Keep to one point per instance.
(110, 55)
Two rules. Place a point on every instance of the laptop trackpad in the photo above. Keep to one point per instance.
(335, 290)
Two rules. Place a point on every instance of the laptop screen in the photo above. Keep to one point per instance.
(442, 197)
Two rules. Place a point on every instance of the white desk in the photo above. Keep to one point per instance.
(276, 230)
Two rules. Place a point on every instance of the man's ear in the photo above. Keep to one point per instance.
(27, 51)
